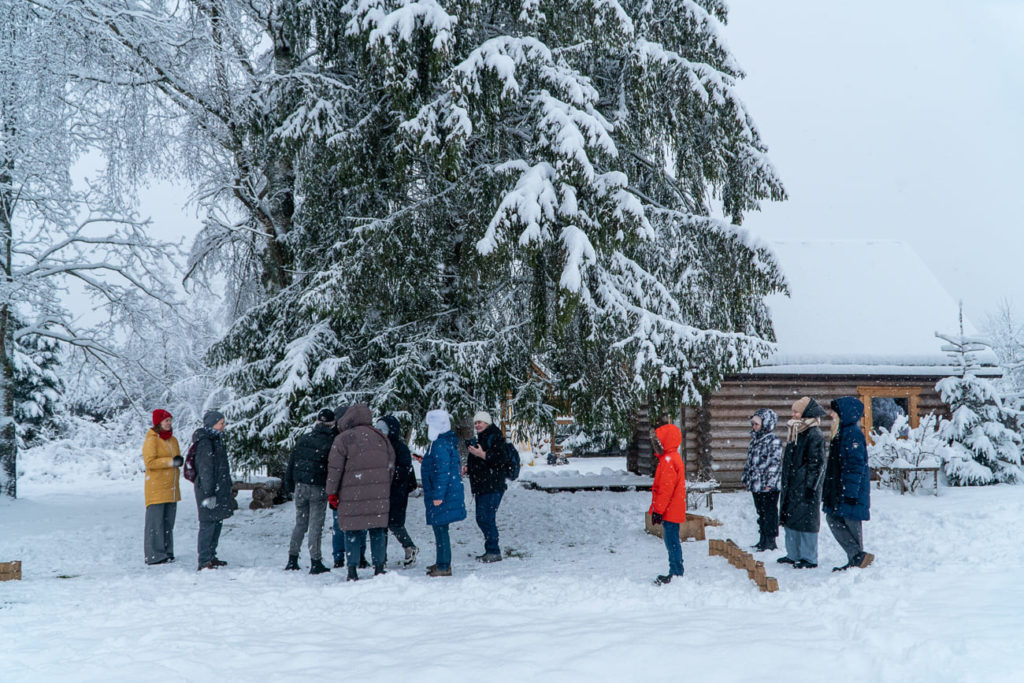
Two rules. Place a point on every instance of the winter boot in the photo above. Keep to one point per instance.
(317, 567)
(769, 544)
(353, 575)
(410, 556)
(218, 563)
(864, 559)
(363, 564)
(434, 571)
(804, 564)
(431, 568)
(378, 569)
(489, 557)
(759, 546)
(785, 560)
(844, 567)
(338, 564)
(663, 579)
(293, 563)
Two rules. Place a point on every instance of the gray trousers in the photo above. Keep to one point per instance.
(158, 538)
(310, 512)
(206, 543)
(848, 533)
(802, 545)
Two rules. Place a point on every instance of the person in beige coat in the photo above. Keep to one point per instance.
(359, 471)
(162, 458)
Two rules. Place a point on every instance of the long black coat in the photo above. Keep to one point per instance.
(487, 475)
(308, 461)
(213, 475)
(803, 474)
(404, 478)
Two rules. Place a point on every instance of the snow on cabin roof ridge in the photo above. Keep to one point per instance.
(860, 306)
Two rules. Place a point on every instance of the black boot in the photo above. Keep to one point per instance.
(353, 575)
(317, 567)
(293, 563)
(759, 546)
(338, 564)
(363, 564)
(663, 579)
(769, 544)
(378, 569)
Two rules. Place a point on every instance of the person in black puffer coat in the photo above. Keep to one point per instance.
(403, 482)
(847, 494)
(306, 476)
(212, 487)
(803, 473)
(486, 467)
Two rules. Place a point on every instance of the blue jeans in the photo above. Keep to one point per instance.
(355, 541)
(802, 545)
(670, 530)
(443, 542)
(338, 543)
(486, 514)
(206, 544)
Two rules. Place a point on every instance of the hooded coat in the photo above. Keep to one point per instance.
(668, 493)
(763, 471)
(847, 491)
(803, 473)
(162, 477)
(359, 472)
(404, 478)
(441, 475)
(213, 475)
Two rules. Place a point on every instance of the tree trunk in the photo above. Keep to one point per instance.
(8, 433)
(705, 460)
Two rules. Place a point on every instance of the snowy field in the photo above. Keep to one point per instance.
(944, 601)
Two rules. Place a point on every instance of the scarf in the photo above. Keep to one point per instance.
(798, 426)
(164, 434)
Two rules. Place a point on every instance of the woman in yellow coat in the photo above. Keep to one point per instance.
(163, 460)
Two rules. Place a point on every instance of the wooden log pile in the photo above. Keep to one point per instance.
(264, 494)
(10, 571)
(744, 560)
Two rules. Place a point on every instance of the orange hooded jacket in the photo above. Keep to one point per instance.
(668, 494)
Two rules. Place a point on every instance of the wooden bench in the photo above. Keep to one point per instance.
(698, 490)
(903, 479)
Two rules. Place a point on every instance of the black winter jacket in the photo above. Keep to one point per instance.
(213, 475)
(488, 475)
(404, 479)
(308, 461)
(803, 473)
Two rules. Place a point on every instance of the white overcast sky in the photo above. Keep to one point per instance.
(901, 119)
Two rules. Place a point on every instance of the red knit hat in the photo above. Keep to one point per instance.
(159, 415)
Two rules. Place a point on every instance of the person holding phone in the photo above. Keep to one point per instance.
(486, 468)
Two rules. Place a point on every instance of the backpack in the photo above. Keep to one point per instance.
(512, 462)
(189, 469)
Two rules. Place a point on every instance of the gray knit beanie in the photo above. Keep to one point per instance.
(211, 418)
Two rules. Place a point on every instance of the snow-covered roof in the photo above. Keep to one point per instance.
(861, 307)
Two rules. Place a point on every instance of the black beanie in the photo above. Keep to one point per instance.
(325, 415)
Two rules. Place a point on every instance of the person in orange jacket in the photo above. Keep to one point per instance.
(668, 496)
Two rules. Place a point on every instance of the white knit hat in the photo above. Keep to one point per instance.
(483, 416)
(438, 422)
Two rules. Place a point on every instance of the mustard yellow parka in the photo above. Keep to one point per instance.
(161, 474)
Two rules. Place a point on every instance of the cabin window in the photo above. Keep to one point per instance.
(882, 405)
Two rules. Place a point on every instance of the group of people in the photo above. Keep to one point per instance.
(360, 468)
(792, 484)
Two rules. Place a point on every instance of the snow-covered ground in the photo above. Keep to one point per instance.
(943, 601)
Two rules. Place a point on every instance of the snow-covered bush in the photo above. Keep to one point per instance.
(984, 444)
(902, 447)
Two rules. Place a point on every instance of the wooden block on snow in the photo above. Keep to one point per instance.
(771, 584)
(10, 571)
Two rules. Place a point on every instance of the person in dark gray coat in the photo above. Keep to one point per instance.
(306, 476)
(359, 473)
(803, 474)
(212, 487)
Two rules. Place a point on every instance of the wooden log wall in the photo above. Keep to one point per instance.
(738, 397)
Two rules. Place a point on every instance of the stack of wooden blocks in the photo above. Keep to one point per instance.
(744, 560)
(693, 527)
(10, 571)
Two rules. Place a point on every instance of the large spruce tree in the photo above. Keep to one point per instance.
(502, 200)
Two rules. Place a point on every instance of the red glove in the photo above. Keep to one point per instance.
(332, 500)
